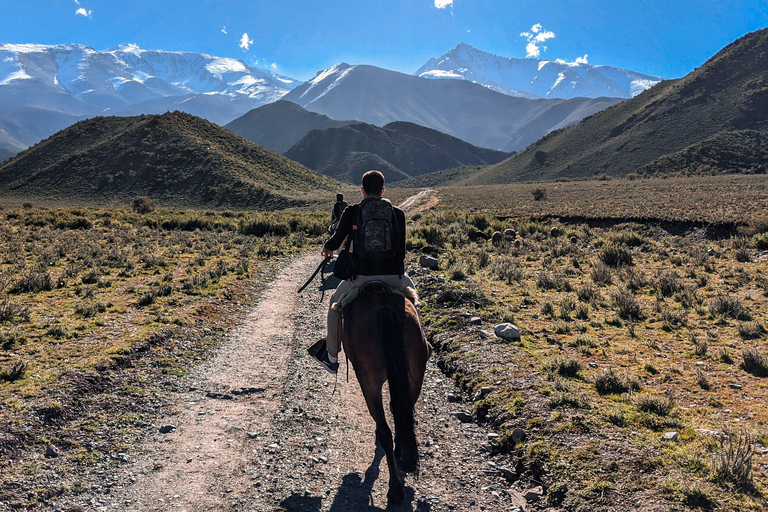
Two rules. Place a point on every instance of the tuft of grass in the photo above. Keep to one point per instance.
(14, 373)
(724, 306)
(754, 362)
(611, 383)
(563, 366)
(615, 255)
(654, 404)
(627, 305)
(732, 462)
(750, 330)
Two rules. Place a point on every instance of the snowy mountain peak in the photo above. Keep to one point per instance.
(536, 78)
(127, 74)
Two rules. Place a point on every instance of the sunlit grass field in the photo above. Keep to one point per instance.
(638, 318)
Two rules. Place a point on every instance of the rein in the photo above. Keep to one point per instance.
(318, 269)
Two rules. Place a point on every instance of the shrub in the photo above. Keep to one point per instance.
(611, 383)
(505, 269)
(567, 305)
(33, 281)
(627, 305)
(587, 292)
(750, 330)
(142, 204)
(14, 373)
(725, 306)
(659, 405)
(582, 312)
(539, 194)
(668, 283)
(601, 274)
(563, 366)
(732, 462)
(9, 311)
(615, 255)
(754, 362)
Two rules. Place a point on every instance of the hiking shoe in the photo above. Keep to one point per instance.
(320, 353)
(327, 364)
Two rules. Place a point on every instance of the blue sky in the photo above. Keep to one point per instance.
(299, 37)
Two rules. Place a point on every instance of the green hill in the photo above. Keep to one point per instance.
(175, 158)
(739, 152)
(280, 125)
(728, 93)
(399, 150)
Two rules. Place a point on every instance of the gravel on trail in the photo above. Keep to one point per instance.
(261, 426)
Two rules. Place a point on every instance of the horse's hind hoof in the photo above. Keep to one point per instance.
(395, 496)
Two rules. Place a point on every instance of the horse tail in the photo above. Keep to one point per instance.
(398, 374)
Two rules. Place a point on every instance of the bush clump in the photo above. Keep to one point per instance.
(754, 362)
(615, 255)
(611, 383)
(732, 463)
(627, 305)
(563, 366)
(142, 204)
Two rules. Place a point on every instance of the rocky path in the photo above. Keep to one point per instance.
(262, 427)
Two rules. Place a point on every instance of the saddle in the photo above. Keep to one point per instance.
(375, 286)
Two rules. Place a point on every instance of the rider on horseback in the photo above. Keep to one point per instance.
(377, 257)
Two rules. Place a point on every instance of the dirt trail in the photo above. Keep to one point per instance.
(418, 199)
(261, 428)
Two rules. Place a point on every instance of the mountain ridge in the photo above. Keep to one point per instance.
(459, 108)
(174, 157)
(536, 78)
(280, 125)
(399, 150)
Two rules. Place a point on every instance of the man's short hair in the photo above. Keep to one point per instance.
(339, 197)
(373, 183)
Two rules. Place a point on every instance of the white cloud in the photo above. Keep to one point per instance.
(78, 3)
(224, 29)
(536, 36)
(245, 43)
(442, 4)
(577, 62)
(273, 65)
(83, 12)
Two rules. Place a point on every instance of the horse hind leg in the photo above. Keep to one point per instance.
(396, 492)
(406, 446)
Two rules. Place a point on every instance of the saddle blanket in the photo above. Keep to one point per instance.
(407, 292)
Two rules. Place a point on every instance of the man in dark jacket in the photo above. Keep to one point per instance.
(368, 266)
(338, 209)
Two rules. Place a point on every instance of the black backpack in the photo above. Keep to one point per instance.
(378, 236)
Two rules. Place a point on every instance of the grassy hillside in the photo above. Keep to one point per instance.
(729, 92)
(626, 334)
(174, 158)
(399, 150)
(280, 125)
(738, 152)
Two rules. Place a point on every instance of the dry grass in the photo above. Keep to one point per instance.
(103, 309)
(657, 346)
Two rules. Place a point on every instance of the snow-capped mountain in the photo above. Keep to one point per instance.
(536, 78)
(74, 81)
(465, 110)
(128, 74)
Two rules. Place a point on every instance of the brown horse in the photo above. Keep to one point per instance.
(384, 341)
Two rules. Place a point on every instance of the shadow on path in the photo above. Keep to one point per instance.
(355, 494)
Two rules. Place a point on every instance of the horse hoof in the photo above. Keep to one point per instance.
(395, 496)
